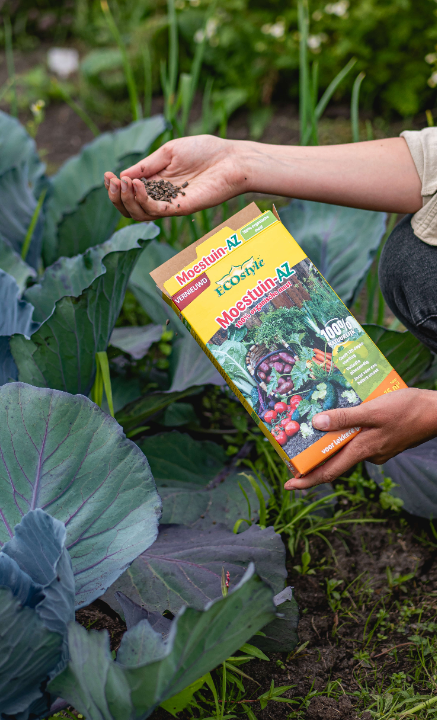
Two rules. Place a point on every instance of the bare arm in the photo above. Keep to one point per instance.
(376, 175)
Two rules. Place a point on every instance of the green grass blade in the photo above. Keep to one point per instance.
(355, 107)
(210, 682)
(31, 228)
(332, 87)
(173, 52)
(77, 109)
(130, 80)
(314, 93)
(195, 71)
(102, 359)
(147, 68)
(206, 106)
(9, 48)
(262, 504)
(97, 389)
(304, 93)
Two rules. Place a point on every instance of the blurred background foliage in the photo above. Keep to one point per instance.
(251, 51)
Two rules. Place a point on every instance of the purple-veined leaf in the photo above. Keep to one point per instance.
(340, 241)
(184, 566)
(414, 471)
(148, 670)
(63, 454)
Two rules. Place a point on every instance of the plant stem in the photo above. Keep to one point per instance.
(78, 110)
(355, 107)
(302, 10)
(173, 52)
(10, 63)
(31, 228)
(147, 65)
(102, 360)
(131, 85)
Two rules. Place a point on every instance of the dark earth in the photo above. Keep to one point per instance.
(331, 639)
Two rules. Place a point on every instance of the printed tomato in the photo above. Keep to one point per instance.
(280, 436)
(270, 415)
(281, 407)
(295, 400)
(292, 428)
(285, 420)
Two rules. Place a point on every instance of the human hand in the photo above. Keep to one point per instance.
(213, 168)
(390, 424)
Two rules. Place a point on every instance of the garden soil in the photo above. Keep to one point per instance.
(333, 638)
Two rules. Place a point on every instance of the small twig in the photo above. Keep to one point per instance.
(384, 652)
(314, 626)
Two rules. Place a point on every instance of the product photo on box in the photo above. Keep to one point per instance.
(276, 331)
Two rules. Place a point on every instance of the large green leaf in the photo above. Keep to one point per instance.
(15, 316)
(341, 242)
(190, 366)
(145, 290)
(79, 300)
(414, 473)
(21, 182)
(36, 568)
(409, 357)
(79, 213)
(136, 340)
(184, 565)
(11, 262)
(148, 671)
(281, 634)
(184, 470)
(28, 653)
(61, 453)
(138, 411)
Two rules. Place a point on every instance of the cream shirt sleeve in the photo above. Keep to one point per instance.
(423, 147)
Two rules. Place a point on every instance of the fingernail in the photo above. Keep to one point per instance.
(321, 422)
(113, 187)
(106, 181)
(123, 186)
(290, 486)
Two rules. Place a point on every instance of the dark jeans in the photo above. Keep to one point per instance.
(408, 280)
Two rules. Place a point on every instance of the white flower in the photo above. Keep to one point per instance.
(314, 41)
(37, 108)
(276, 30)
(63, 61)
(432, 82)
(210, 31)
(431, 58)
(338, 8)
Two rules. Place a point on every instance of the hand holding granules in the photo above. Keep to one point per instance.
(162, 189)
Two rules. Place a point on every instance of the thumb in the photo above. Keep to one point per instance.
(151, 165)
(342, 418)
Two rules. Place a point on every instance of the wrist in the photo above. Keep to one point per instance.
(244, 154)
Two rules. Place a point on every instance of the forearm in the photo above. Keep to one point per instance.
(375, 175)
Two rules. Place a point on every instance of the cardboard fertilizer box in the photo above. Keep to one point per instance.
(276, 331)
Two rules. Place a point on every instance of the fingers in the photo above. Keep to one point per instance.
(151, 165)
(129, 201)
(155, 208)
(345, 418)
(114, 192)
(352, 453)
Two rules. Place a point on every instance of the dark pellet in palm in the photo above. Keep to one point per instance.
(162, 189)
